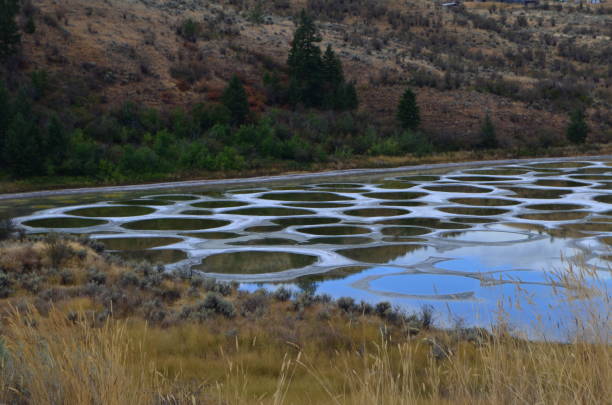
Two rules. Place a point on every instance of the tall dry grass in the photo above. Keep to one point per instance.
(52, 360)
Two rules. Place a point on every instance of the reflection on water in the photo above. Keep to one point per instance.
(461, 241)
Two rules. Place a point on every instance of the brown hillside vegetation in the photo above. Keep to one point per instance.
(526, 66)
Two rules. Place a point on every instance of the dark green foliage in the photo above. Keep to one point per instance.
(5, 114)
(315, 80)
(40, 83)
(189, 30)
(577, 130)
(58, 142)
(275, 91)
(350, 101)
(305, 65)
(9, 32)
(23, 149)
(30, 26)
(408, 111)
(236, 101)
(488, 139)
(331, 69)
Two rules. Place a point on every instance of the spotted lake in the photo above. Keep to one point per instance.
(471, 242)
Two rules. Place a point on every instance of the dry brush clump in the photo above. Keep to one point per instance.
(132, 333)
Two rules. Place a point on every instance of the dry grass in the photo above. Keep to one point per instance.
(65, 354)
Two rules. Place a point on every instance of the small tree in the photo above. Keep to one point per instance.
(9, 33)
(236, 101)
(408, 111)
(488, 139)
(577, 130)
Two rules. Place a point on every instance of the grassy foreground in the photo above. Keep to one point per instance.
(81, 327)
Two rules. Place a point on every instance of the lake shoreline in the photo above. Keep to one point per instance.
(287, 176)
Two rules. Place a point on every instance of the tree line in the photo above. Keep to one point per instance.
(136, 142)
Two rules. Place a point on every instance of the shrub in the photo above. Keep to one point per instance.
(96, 277)
(67, 277)
(347, 304)
(189, 30)
(58, 250)
(5, 285)
(31, 283)
(216, 304)
(256, 303)
(426, 317)
(382, 308)
(282, 294)
(7, 228)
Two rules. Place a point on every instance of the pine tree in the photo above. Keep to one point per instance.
(5, 111)
(305, 64)
(23, 151)
(408, 111)
(577, 130)
(488, 139)
(57, 143)
(351, 102)
(331, 67)
(236, 101)
(9, 33)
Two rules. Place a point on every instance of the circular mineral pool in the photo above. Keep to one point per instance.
(305, 196)
(452, 188)
(175, 224)
(484, 202)
(63, 222)
(112, 211)
(159, 256)
(254, 262)
(335, 230)
(405, 231)
(479, 211)
(485, 236)
(136, 243)
(397, 195)
(270, 211)
(380, 254)
(305, 221)
(376, 212)
(219, 204)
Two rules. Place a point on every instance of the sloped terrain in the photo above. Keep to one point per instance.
(525, 66)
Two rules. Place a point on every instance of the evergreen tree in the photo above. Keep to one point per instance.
(488, 139)
(305, 64)
(9, 33)
(23, 151)
(408, 111)
(5, 112)
(331, 68)
(577, 130)
(351, 101)
(235, 99)
(57, 143)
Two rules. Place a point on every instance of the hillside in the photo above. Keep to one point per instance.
(523, 65)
